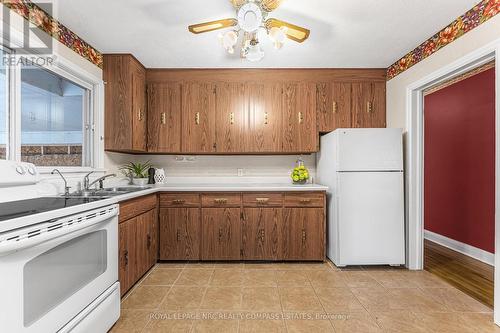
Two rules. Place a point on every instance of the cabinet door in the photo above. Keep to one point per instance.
(333, 106)
(231, 112)
(118, 115)
(180, 234)
(127, 256)
(221, 234)
(198, 118)
(304, 230)
(264, 130)
(142, 251)
(139, 117)
(261, 234)
(299, 123)
(164, 117)
(152, 217)
(369, 104)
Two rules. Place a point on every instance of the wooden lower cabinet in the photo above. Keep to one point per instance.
(126, 239)
(180, 234)
(221, 233)
(242, 226)
(138, 243)
(262, 234)
(304, 234)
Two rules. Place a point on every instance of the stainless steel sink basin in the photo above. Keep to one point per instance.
(106, 192)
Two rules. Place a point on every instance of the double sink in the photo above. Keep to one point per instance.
(105, 192)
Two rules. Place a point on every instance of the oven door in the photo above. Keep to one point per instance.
(48, 278)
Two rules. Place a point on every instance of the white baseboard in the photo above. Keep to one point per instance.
(468, 250)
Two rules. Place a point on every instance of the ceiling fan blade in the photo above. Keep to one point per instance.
(238, 3)
(213, 25)
(270, 5)
(294, 32)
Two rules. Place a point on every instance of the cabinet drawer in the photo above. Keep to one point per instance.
(221, 200)
(263, 200)
(311, 199)
(179, 200)
(134, 207)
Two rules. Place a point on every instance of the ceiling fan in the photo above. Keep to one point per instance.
(252, 25)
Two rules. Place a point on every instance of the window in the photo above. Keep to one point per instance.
(4, 107)
(53, 112)
(47, 114)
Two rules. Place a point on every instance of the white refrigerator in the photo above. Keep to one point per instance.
(364, 170)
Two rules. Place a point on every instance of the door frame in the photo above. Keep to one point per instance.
(415, 156)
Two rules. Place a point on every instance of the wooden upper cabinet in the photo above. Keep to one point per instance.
(369, 104)
(333, 106)
(264, 132)
(230, 117)
(164, 117)
(125, 103)
(299, 118)
(198, 117)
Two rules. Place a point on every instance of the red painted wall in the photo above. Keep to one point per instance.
(459, 161)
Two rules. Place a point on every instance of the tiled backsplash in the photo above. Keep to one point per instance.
(216, 166)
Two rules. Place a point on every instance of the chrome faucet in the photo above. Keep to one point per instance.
(66, 187)
(99, 180)
(86, 181)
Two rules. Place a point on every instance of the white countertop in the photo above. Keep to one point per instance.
(158, 188)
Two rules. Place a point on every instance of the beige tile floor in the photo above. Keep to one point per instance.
(244, 297)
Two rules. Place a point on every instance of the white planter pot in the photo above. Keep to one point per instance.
(140, 181)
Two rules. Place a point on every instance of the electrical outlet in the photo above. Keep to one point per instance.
(241, 172)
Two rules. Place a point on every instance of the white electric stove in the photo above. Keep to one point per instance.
(58, 258)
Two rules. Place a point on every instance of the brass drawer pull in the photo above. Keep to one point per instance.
(178, 201)
(304, 235)
(305, 201)
(266, 118)
(369, 107)
(197, 118)
(163, 118)
(231, 118)
(262, 201)
(220, 201)
(301, 117)
(335, 107)
(140, 115)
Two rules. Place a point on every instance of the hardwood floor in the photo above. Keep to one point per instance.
(469, 275)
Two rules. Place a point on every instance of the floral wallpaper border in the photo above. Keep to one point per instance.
(54, 28)
(479, 14)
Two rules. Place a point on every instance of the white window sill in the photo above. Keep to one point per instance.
(69, 170)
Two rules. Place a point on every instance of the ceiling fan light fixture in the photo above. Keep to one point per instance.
(278, 36)
(229, 40)
(254, 52)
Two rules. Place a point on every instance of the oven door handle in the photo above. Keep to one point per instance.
(8, 247)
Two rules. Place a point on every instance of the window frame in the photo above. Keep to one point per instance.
(93, 146)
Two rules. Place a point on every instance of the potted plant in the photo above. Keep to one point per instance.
(137, 172)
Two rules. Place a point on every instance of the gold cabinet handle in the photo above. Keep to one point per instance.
(139, 115)
(163, 118)
(197, 118)
(305, 201)
(266, 118)
(178, 201)
(231, 118)
(335, 107)
(369, 107)
(304, 235)
(220, 201)
(262, 201)
(301, 118)
(262, 235)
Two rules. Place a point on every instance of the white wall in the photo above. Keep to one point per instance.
(216, 166)
(396, 88)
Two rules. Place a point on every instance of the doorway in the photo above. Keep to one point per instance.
(414, 140)
(459, 182)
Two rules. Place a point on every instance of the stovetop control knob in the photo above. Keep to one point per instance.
(20, 170)
(31, 170)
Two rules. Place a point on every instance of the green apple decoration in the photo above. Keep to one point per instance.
(300, 174)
